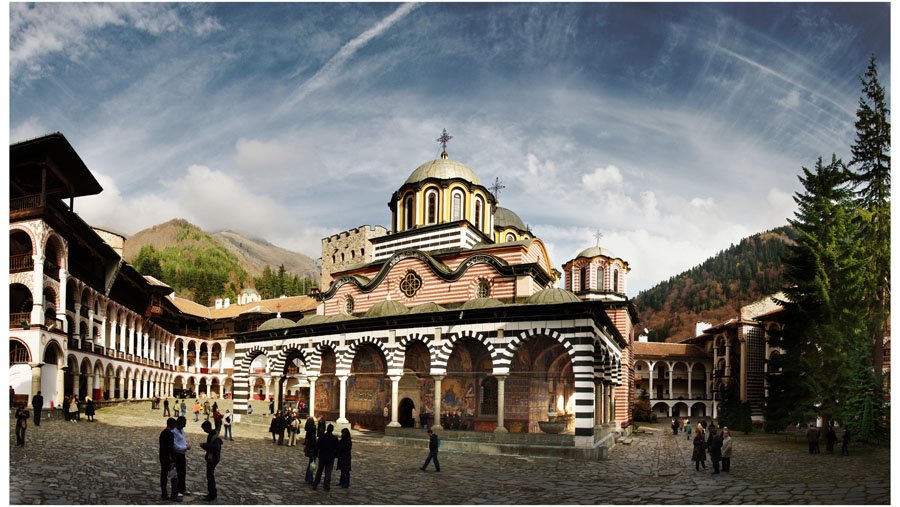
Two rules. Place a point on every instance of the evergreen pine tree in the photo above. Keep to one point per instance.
(871, 173)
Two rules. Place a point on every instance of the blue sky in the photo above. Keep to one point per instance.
(675, 129)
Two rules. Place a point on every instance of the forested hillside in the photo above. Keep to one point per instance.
(717, 288)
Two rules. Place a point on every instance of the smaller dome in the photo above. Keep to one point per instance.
(312, 319)
(504, 218)
(276, 323)
(474, 304)
(427, 308)
(595, 251)
(386, 309)
(340, 318)
(552, 296)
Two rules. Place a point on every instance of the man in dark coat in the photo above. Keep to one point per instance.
(715, 449)
(320, 428)
(37, 403)
(327, 447)
(830, 438)
(845, 441)
(213, 448)
(434, 443)
(166, 407)
(812, 438)
(167, 458)
(345, 447)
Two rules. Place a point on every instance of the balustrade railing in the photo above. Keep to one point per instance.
(21, 262)
(25, 202)
(19, 319)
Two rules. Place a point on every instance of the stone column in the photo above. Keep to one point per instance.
(652, 365)
(395, 395)
(671, 380)
(121, 387)
(130, 385)
(342, 418)
(437, 402)
(37, 304)
(103, 338)
(312, 395)
(76, 333)
(90, 385)
(123, 337)
(501, 403)
(60, 385)
(601, 403)
(131, 340)
(61, 307)
(728, 358)
(268, 383)
(208, 358)
(690, 368)
(35, 380)
(90, 337)
(184, 351)
(208, 388)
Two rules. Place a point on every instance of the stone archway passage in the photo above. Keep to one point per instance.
(404, 413)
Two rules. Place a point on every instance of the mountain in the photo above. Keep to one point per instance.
(715, 290)
(255, 254)
(202, 266)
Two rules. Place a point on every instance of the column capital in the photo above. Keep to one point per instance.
(312, 378)
(395, 378)
(438, 377)
(502, 376)
(36, 365)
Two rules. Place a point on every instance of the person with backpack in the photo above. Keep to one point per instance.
(434, 444)
(227, 423)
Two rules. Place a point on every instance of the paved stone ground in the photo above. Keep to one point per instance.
(114, 461)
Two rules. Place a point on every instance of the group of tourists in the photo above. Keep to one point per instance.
(173, 448)
(71, 408)
(719, 445)
(813, 434)
(322, 448)
(282, 421)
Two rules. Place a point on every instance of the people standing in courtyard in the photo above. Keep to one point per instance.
(434, 444)
(21, 424)
(283, 422)
(215, 406)
(227, 423)
(293, 429)
(166, 408)
(345, 446)
(327, 451)
(166, 459)
(73, 409)
(830, 438)
(715, 450)
(196, 410)
(687, 428)
(699, 454)
(213, 448)
(674, 426)
(310, 451)
(727, 446)
(183, 409)
(271, 407)
(217, 420)
(273, 427)
(180, 452)
(310, 429)
(845, 441)
(812, 438)
(37, 404)
(206, 409)
(89, 410)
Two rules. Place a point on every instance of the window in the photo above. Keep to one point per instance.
(457, 212)
(431, 206)
(483, 289)
(349, 304)
(510, 237)
(408, 212)
(479, 209)
(600, 284)
(410, 284)
(584, 282)
(17, 353)
(489, 396)
(615, 283)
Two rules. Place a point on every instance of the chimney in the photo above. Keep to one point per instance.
(218, 303)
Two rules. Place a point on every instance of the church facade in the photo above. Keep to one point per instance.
(454, 319)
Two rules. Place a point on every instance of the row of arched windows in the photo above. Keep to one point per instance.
(433, 207)
(601, 280)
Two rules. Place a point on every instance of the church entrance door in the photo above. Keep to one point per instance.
(404, 413)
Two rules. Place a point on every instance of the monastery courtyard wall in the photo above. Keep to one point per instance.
(114, 461)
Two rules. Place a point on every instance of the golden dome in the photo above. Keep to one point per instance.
(443, 169)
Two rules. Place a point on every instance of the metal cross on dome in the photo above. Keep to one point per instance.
(444, 139)
(598, 235)
(497, 187)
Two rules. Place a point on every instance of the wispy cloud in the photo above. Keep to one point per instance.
(332, 67)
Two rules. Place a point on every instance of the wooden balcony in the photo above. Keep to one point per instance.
(19, 320)
(20, 263)
(24, 203)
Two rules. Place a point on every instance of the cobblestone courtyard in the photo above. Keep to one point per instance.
(114, 461)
